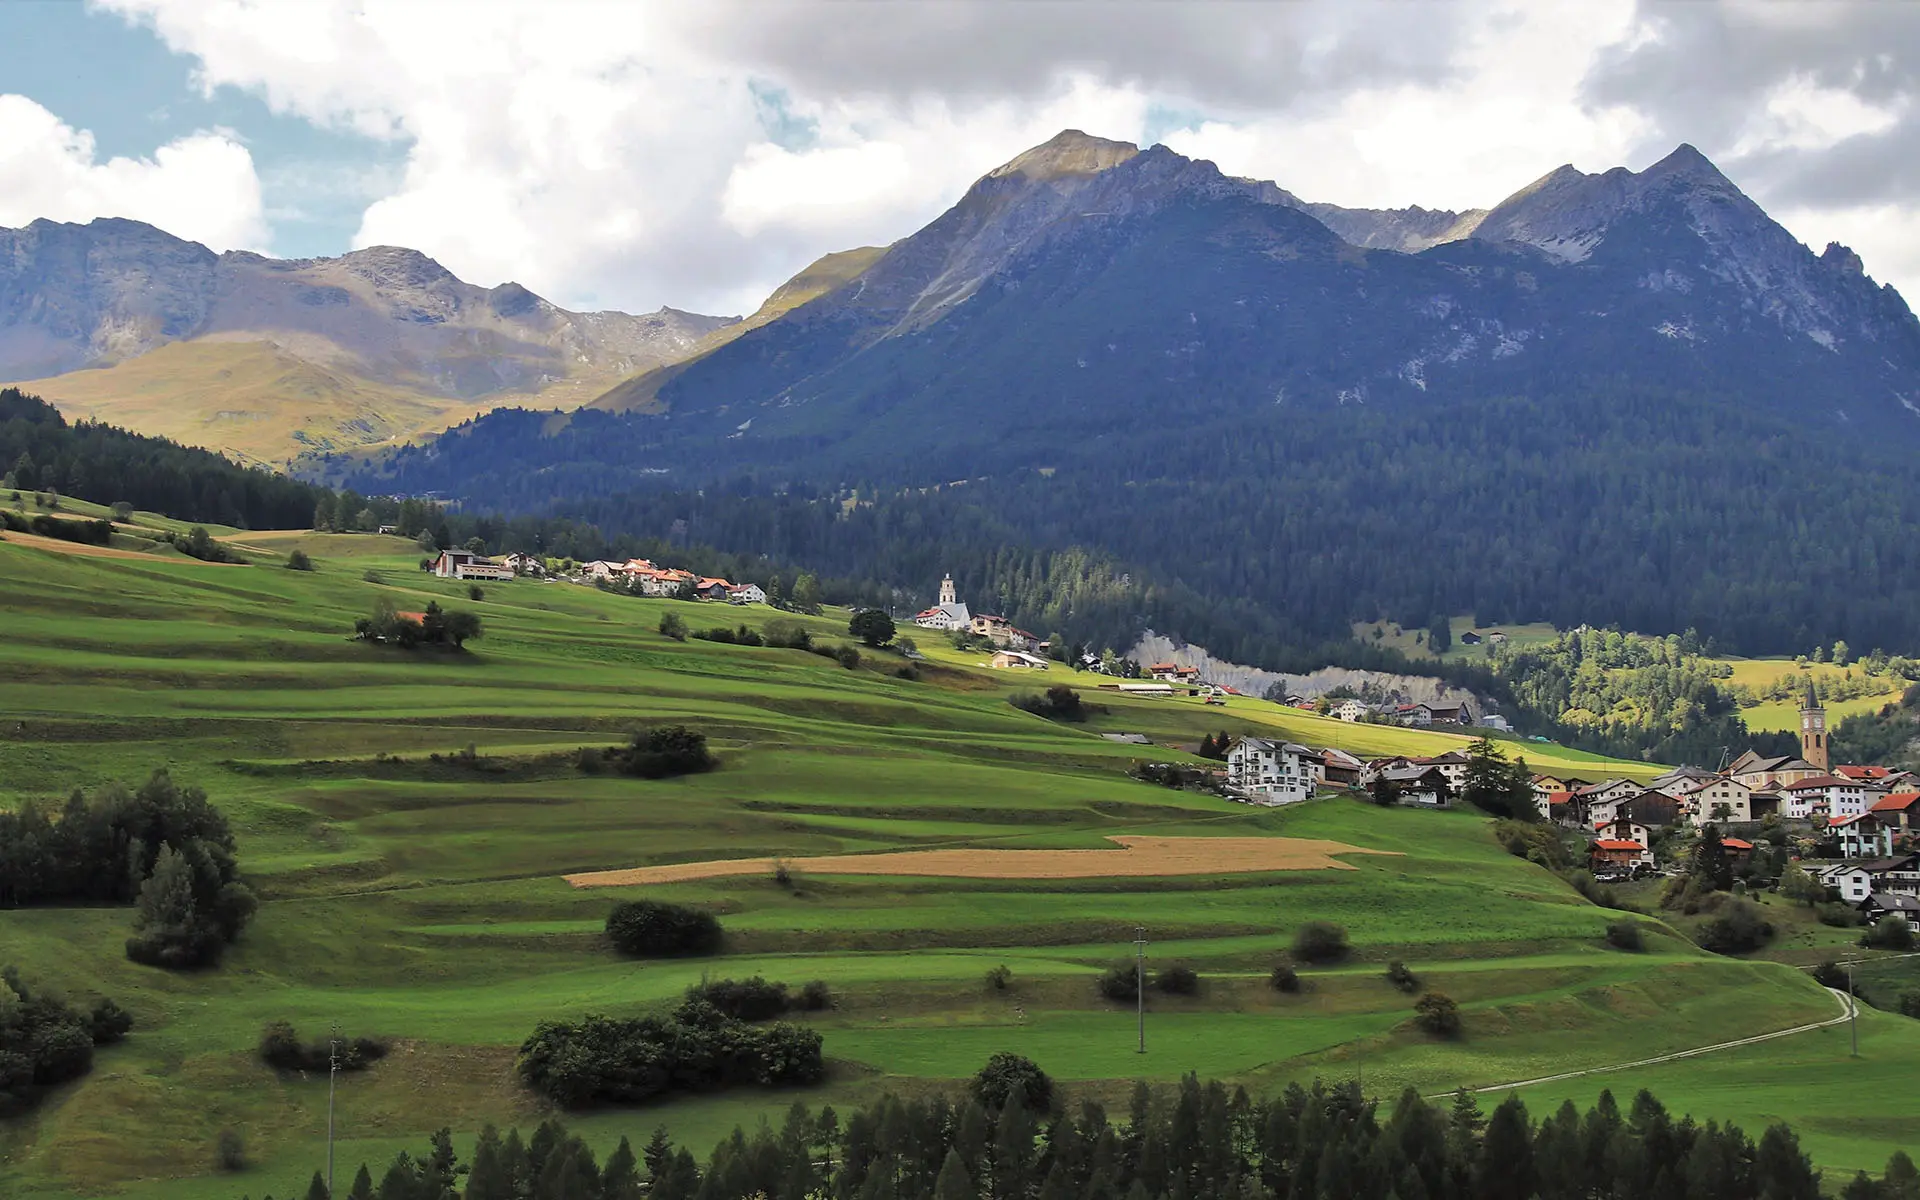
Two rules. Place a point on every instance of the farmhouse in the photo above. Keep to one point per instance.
(1421, 786)
(463, 564)
(1880, 904)
(1621, 852)
(746, 593)
(1174, 673)
(1018, 660)
(1860, 835)
(1351, 710)
(1268, 772)
(525, 564)
(1704, 800)
(1900, 812)
(1453, 765)
(1339, 767)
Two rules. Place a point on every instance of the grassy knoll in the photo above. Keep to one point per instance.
(420, 897)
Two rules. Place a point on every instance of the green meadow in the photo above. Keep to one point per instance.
(413, 891)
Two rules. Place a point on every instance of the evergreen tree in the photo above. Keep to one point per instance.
(1440, 635)
(362, 1185)
(488, 1178)
(1505, 1170)
(620, 1179)
(317, 1188)
(953, 1183)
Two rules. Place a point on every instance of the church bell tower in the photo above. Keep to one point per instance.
(1813, 730)
(946, 591)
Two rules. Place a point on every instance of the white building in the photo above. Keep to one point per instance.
(1351, 710)
(463, 564)
(949, 614)
(1272, 772)
(746, 593)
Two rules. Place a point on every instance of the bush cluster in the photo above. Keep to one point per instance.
(282, 1049)
(1738, 927)
(1320, 942)
(1061, 703)
(1890, 932)
(1625, 935)
(87, 533)
(757, 1000)
(658, 753)
(741, 636)
(1437, 1014)
(1284, 979)
(1009, 1078)
(1177, 980)
(657, 929)
(1120, 981)
(44, 1041)
(1402, 978)
(435, 627)
(698, 1048)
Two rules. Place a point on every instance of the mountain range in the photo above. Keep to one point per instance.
(266, 358)
(1626, 397)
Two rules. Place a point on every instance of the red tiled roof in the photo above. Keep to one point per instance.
(418, 618)
(1614, 844)
(1858, 772)
(1162, 667)
(1559, 798)
(1898, 802)
(1736, 843)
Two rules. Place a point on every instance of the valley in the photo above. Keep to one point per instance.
(407, 821)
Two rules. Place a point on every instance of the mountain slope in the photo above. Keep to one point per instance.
(1628, 397)
(407, 341)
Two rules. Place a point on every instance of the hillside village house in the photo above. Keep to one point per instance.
(1897, 874)
(1351, 710)
(525, 564)
(746, 593)
(463, 564)
(1002, 633)
(1765, 774)
(1018, 660)
(1174, 673)
(1899, 812)
(1843, 797)
(1339, 767)
(1267, 772)
(1596, 794)
(1861, 836)
(1703, 800)
(1419, 786)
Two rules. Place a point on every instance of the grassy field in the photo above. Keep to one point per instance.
(1413, 642)
(421, 898)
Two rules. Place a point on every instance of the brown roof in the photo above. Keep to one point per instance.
(1898, 802)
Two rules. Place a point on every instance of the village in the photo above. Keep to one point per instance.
(1854, 827)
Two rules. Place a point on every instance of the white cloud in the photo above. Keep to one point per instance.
(624, 155)
(201, 187)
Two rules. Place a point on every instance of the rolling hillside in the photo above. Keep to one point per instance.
(420, 897)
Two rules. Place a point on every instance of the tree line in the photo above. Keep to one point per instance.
(1012, 1137)
(162, 848)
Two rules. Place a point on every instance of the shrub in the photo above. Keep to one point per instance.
(1011, 1078)
(999, 978)
(1284, 979)
(1120, 981)
(672, 626)
(1320, 942)
(200, 544)
(1839, 916)
(476, 592)
(1177, 980)
(1739, 928)
(108, 1023)
(1830, 975)
(1061, 703)
(123, 511)
(744, 999)
(847, 657)
(657, 929)
(297, 560)
(815, 996)
(282, 1049)
(698, 1048)
(230, 1150)
(1437, 1014)
(1625, 935)
(787, 635)
(1891, 932)
(784, 875)
(1910, 1004)
(372, 576)
(1400, 977)
(665, 751)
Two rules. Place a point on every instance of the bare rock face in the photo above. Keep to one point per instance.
(76, 296)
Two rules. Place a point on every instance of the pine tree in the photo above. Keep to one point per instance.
(362, 1185)
(954, 1183)
(1505, 1167)
(620, 1179)
(488, 1179)
(317, 1189)
(1902, 1180)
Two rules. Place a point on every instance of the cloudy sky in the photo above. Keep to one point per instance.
(696, 153)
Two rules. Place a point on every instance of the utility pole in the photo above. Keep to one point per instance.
(1853, 1010)
(1140, 982)
(333, 1070)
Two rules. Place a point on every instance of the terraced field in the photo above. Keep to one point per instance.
(414, 890)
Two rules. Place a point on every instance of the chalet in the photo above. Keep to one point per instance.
(746, 593)
(1859, 879)
(1642, 804)
(1417, 715)
(1018, 660)
(1002, 633)
(525, 564)
(1900, 812)
(1861, 836)
(1469, 638)
(708, 588)
(1759, 773)
(1496, 722)
(1880, 904)
(1174, 673)
(1767, 804)
(1738, 850)
(1268, 772)
(1625, 829)
(1351, 710)
(1548, 784)
(1680, 779)
(1619, 852)
(1421, 786)
(1339, 767)
(1865, 774)
(1562, 808)
(601, 568)
(1448, 714)
(462, 564)
(1453, 764)
(1704, 800)
(1596, 794)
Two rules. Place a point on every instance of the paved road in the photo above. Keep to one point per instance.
(1846, 1012)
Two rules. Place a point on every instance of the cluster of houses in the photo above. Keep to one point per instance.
(639, 575)
(1015, 648)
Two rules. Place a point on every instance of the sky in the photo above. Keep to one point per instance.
(696, 153)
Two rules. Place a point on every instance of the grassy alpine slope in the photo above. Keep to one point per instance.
(422, 899)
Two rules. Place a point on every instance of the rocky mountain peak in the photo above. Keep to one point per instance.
(1067, 153)
(395, 267)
